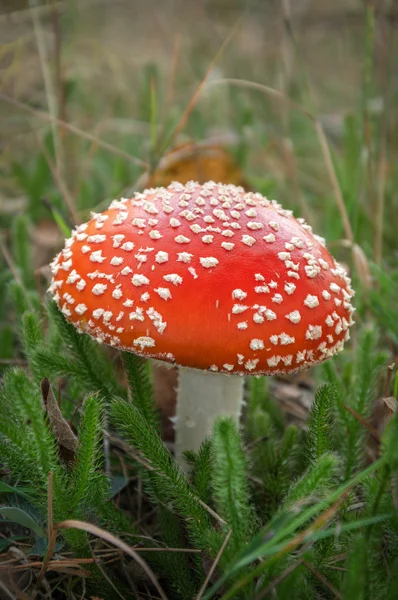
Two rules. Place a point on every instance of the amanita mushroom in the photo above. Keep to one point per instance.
(220, 282)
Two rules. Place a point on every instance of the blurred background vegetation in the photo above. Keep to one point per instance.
(296, 99)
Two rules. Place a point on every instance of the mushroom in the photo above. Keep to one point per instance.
(217, 281)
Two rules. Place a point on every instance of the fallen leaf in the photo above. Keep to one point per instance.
(63, 433)
(187, 162)
(391, 404)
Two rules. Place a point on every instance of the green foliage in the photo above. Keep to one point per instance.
(22, 299)
(314, 483)
(27, 445)
(21, 249)
(90, 488)
(272, 460)
(164, 481)
(175, 566)
(202, 466)
(138, 371)
(19, 516)
(355, 583)
(383, 298)
(355, 395)
(28, 448)
(364, 383)
(32, 335)
(318, 438)
(229, 480)
(260, 401)
(392, 587)
(7, 342)
(34, 179)
(285, 532)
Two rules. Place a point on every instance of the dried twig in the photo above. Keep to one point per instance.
(10, 263)
(372, 431)
(278, 580)
(390, 371)
(323, 580)
(60, 182)
(380, 200)
(73, 128)
(104, 574)
(49, 87)
(171, 81)
(214, 565)
(334, 181)
(14, 361)
(112, 539)
(194, 98)
(50, 515)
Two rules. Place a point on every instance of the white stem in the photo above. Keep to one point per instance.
(202, 397)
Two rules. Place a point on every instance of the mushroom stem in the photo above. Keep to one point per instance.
(202, 397)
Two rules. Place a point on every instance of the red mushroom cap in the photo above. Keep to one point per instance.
(205, 276)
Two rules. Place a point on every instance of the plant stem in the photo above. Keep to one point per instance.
(202, 397)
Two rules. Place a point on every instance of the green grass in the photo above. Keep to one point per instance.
(273, 509)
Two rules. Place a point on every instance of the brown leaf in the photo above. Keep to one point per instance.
(382, 412)
(391, 404)
(188, 162)
(294, 400)
(63, 433)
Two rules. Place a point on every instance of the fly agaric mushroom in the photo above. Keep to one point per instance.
(217, 281)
